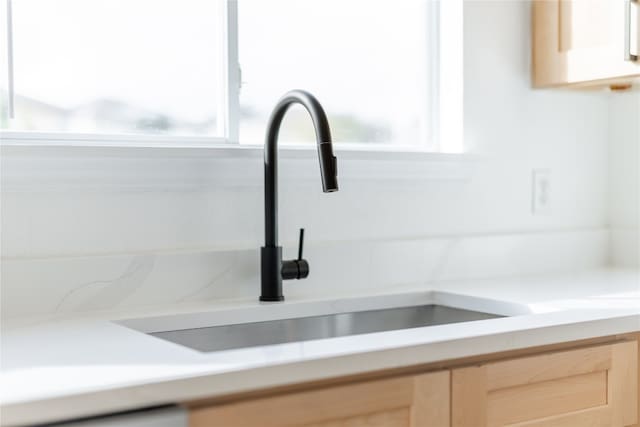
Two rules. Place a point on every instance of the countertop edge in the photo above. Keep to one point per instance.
(199, 387)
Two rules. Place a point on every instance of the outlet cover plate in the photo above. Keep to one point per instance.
(541, 192)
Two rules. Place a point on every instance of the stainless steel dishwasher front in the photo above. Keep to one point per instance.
(172, 416)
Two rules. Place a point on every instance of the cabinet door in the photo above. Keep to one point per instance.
(582, 41)
(412, 401)
(594, 386)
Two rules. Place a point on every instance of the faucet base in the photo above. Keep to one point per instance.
(271, 266)
(271, 299)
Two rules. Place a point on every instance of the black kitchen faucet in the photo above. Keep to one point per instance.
(273, 268)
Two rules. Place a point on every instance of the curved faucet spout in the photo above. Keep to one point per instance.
(271, 252)
(328, 162)
(323, 134)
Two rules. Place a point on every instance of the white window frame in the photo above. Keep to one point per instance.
(445, 121)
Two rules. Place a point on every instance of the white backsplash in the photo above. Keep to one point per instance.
(78, 285)
(624, 179)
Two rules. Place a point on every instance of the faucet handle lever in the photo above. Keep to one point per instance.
(296, 268)
(300, 244)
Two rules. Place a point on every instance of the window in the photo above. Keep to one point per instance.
(117, 66)
(162, 67)
(366, 60)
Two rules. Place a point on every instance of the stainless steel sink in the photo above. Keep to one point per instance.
(245, 335)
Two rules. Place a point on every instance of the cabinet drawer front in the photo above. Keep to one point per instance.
(411, 401)
(594, 386)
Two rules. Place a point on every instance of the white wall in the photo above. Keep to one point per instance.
(624, 162)
(486, 217)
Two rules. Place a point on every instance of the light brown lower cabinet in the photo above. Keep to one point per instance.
(594, 386)
(589, 386)
(407, 401)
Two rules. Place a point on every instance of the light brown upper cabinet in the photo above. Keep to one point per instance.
(586, 42)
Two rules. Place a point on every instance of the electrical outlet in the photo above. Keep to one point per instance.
(541, 192)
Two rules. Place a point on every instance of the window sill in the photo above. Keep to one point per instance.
(36, 165)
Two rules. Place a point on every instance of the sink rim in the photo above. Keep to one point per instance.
(252, 312)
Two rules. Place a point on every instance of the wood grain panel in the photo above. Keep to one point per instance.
(593, 417)
(594, 386)
(469, 397)
(546, 367)
(636, 338)
(409, 401)
(623, 385)
(395, 418)
(546, 398)
(431, 406)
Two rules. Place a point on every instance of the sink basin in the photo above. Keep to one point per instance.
(281, 331)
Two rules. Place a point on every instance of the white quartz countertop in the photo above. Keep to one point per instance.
(62, 368)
